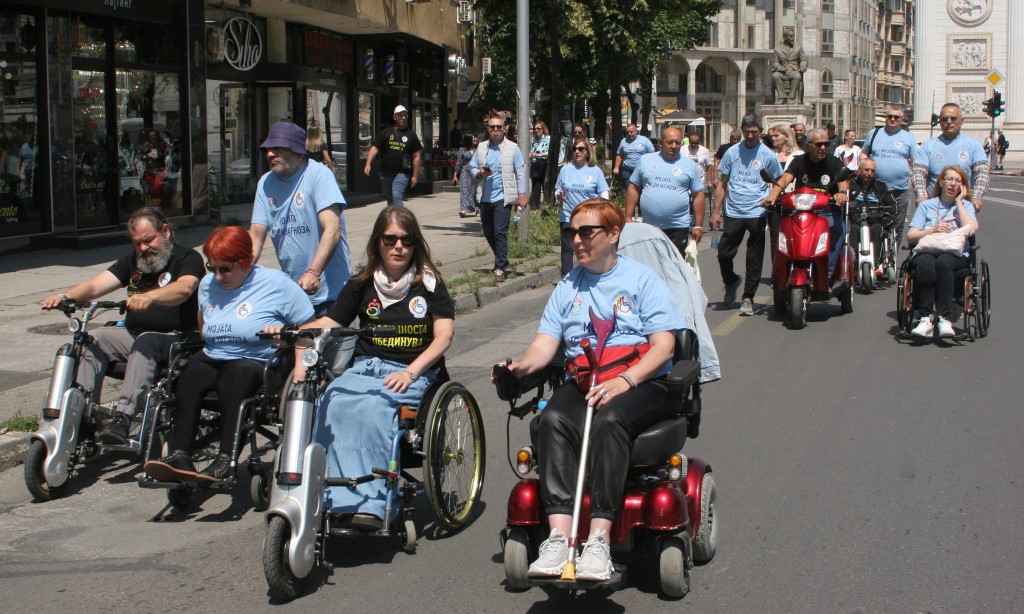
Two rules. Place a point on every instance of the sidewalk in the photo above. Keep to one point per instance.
(32, 336)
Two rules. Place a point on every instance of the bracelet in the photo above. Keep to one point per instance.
(629, 379)
(313, 272)
(412, 378)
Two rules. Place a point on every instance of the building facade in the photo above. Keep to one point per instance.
(894, 48)
(110, 105)
(731, 75)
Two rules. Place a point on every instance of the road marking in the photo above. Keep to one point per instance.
(1003, 201)
(733, 321)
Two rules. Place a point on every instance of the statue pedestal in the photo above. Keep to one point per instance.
(788, 113)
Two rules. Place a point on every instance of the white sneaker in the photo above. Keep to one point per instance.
(554, 551)
(924, 328)
(747, 307)
(595, 561)
(946, 328)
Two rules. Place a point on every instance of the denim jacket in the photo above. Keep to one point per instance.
(651, 247)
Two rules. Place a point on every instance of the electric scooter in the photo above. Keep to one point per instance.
(800, 272)
(70, 418)
(867, 260)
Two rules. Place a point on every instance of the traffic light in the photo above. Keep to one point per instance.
(989, 105)
(997, 104)
(935, 119)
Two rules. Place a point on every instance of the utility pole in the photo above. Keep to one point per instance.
(524, 120)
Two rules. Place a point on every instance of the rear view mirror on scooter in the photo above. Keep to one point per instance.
(767, 176)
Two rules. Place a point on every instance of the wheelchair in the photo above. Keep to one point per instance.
(972, 297)
(258, 426)
(670, 501)
(443, 435)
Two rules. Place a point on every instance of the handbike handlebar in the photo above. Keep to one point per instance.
(70, 306)
(291, 334)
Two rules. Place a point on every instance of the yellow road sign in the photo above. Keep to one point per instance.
(995, 77)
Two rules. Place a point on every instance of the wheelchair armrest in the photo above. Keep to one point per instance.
(510, 388)
(684, 374)
(687, 346)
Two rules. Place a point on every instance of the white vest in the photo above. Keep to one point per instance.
(507, 151)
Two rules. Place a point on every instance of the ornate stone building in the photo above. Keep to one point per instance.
(894, 50)
(971, 39)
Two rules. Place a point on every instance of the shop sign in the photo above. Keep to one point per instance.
(321, 50)
(243, 46)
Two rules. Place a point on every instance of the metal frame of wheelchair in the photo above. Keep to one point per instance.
(972, 297)
(678, 546)
(443, 435)
(259, 417)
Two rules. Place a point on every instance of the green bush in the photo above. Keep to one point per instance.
(20, 423)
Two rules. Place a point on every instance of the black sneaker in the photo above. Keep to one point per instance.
(116, 431)
(218, 469)
(177, 466)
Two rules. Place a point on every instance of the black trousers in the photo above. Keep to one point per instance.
(679, 237)
(615, 426)
(934, 277)
(729, 245)
(234, 381)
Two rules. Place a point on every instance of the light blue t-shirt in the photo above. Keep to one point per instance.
(579, 184)
(231, 318)
(932, 211)
(493, 190)
(289, 208)
(638, 298)
(893, 155)
(741, 166)
(665, 189)
(632, 150)
(940, 152)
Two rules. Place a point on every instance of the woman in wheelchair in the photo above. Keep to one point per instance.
(236, 300)
(933, 274)
(646, 318)
(398, 286)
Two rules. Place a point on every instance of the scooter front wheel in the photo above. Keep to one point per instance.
(798, 307)
(516, 555)
(866, 278)
(674, 567)
(281, 581)
(35, 480)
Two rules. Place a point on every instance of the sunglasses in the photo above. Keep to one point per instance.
(496, 127)
(820, 143)
(223, 269)
(579, 148)
(585, 232)
(893, 117)
(948, 118)
(390, 240)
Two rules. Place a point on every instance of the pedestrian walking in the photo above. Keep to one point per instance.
(627, 155)
(893, 149)
(464, 177)
(951, 147)
(400, 158)
(580, 181)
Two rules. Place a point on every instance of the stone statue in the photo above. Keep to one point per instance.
(788, 68)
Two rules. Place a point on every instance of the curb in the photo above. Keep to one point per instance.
(13, 447)
(492, 294)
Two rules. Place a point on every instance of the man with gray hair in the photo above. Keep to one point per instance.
(893, 149)
(948, 148)
(741, 197)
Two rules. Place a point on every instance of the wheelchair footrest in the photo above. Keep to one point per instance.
(617, 581)
(147, 482)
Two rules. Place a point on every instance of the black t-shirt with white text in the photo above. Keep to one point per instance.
(158, 318)
(821, 176)
(396, 148)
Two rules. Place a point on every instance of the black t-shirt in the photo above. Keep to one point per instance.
(158, 318)
(396, 148)
(818, 175)
(724, 147)
(413, 315)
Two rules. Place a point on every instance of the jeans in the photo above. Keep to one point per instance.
(616, 425)
(494, 217)
(934, 279)
(622, 180)
(144, 355)
(356, 423)
(729, 245)
(394, 188)
(836, 232)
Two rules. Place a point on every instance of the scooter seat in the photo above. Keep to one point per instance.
(655, 444)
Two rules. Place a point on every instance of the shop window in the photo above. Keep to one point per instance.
(367, 123)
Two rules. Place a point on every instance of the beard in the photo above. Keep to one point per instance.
(154, 261)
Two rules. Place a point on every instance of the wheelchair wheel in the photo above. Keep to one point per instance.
(454, 447)
(180, 498)
(259, 489)
(408, 536)
(984, 300)
(282, 583)
(673, 566)
(904, 298)
(705, 543)
(517, 559)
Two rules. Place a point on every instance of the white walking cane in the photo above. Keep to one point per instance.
(602, 328)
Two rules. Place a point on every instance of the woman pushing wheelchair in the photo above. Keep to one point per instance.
(617, 303)
(398, 286)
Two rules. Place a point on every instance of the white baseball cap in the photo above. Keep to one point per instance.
(400, 109)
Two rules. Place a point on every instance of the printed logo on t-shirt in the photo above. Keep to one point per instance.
(756, 165)
(300, 199)
(623, 304)
(373, 309)
(209, 311)
(902, 145)
(418, 306)
(244, 310)
(825, 179)
(588, 179)
(272, 201)
(577, 306)
(677, 171)
(164, 279)
(963, 155)
(405, 139)
(938, 157)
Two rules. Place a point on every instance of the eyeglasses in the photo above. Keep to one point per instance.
(390, 240)
(223, 269)
(577, 134)
(948, 118)
(585, 232)
(820, 143)
(579, 148)
(494, 126)
(893, 117)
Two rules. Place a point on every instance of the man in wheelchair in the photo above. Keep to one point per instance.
(161, 277)
(872, 200)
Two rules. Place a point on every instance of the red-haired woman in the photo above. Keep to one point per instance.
(236, 301)
(646, 318)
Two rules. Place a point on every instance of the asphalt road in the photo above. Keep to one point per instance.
(855, 474)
